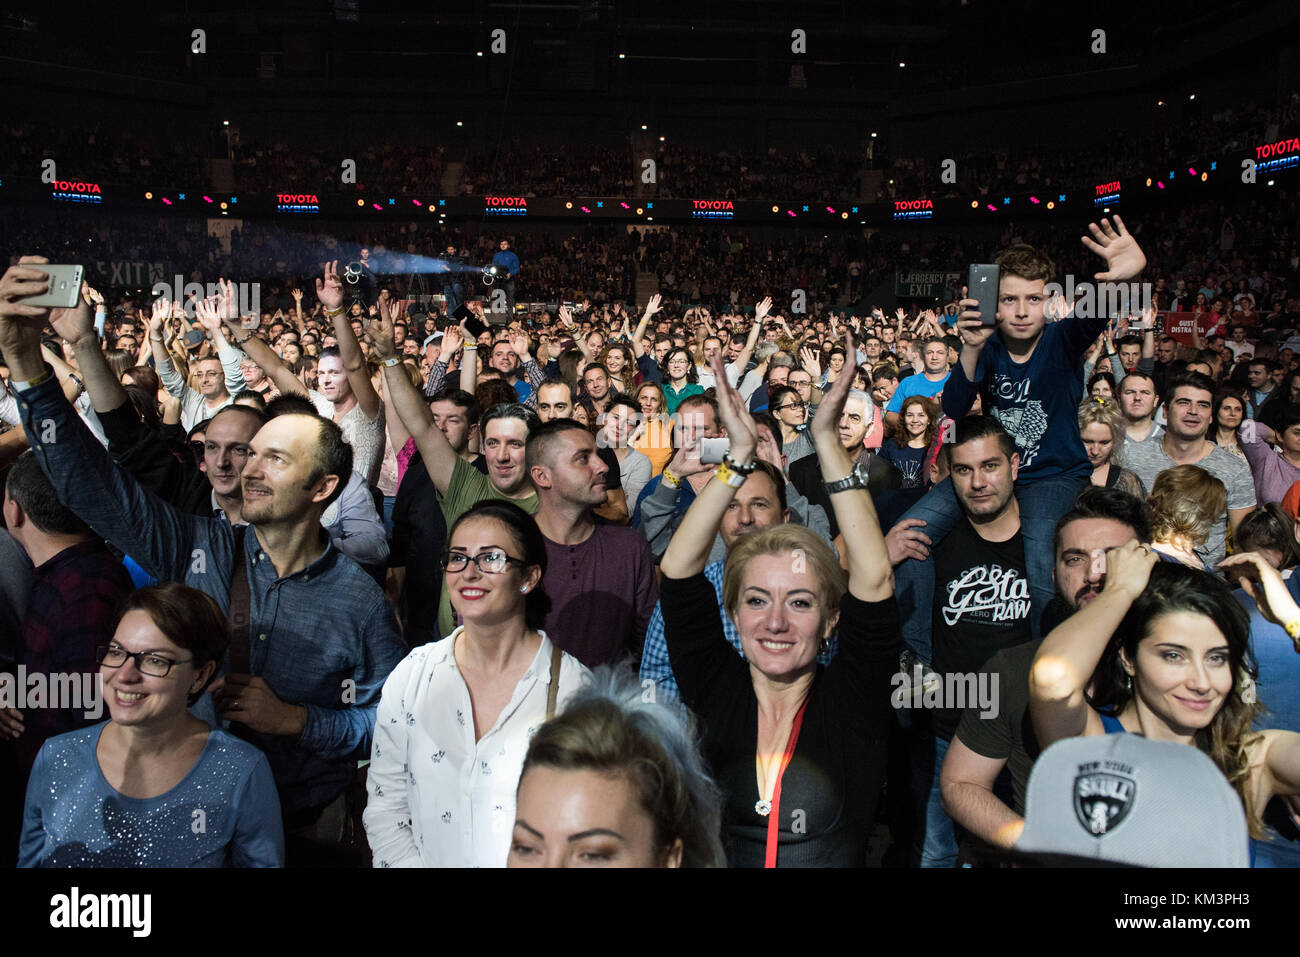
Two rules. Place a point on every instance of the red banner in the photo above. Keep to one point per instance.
(1179, 325)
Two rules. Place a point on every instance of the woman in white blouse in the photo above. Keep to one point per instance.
(456, 715)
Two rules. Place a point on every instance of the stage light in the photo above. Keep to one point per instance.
(417, 202)
(1160, 102)
(644, 127)
(181, 196)
(639, 211)
(585, 209)
(830, 209)
(361, 202)
(377, 206)
(992, 208)
(1006, 200)
(225, 122)
(430, 207)
(568, 205)
(166, 200)
(1192, 97)
(844, 215)
(649, 219)
(207, 199)
(1204, 177)
(1160, 184)
(873, 135)
(901, 64)
(479, 53)
(1060, 197)
(661, 139)
(223, 205)
(776, 209)
(1106, 209)
(460, 123)
(974, 204)
(1191, 170)
(1051, 205)
(891, 182)
(1269, 183)
(624, 205)
(791, 212)
(1034, 200)
(148, 195)
(622, 56)
(1148, 180)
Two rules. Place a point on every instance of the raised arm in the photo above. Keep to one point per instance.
(329, 291)
(688, 551)
(651, 307)
(409, 404)
(870, 574)
(760, 313)
(162, 359)
(253, 347)
(1070, 653)
(76, 328)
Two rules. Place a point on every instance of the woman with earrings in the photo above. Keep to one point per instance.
(456, 715)
(1163, 652)
(798, 749)
(154, 786)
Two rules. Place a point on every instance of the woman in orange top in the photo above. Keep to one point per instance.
(654, 437)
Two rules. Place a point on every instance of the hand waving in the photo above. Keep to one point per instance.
(1115, 244)
(329, 289)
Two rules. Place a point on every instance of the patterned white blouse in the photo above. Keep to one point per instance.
(437, 797)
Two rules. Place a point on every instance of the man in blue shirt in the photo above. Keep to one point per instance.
(321, 638)
(929, 382)
(1028, 373)
(508, 263)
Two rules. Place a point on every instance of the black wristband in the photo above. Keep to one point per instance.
(736, 467)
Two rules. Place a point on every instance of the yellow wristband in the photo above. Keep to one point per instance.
(671, 480)
(333, 313)
(1293, 629)
(729, 476)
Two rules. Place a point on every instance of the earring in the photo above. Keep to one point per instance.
(824, 646)
(523, 590)
(1128, 682)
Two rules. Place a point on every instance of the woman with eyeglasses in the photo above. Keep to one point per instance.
(681, 379)
(456, 716)
(788, 409)
(154, 786)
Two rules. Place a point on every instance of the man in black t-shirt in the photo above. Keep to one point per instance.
(981, 606)
(984, 744)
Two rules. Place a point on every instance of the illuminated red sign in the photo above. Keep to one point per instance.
(1105, 189)
(913, 204)
(713, 204)
(1277, 149)
(505, 200)
(296, 198)
(67, 186)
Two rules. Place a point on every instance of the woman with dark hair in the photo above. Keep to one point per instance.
(128, 792)
(1185, 504)
(616, 781)
(1165, 651)
(908, 446)
(621, 365)
(455, 717)
(1228, 412)
(681, 379)
(1269, 532)
(1102, 384)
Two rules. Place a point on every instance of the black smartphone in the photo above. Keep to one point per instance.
(473, 324)
(982, 285)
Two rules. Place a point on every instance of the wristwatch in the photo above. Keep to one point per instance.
(855, 479)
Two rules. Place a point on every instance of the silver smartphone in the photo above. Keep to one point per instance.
(983, 286)
(712, 450)
(65, 287)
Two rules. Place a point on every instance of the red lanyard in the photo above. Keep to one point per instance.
(773, 819)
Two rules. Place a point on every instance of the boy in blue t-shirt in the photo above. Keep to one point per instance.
(1029, 374)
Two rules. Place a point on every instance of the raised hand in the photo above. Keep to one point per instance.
(651, 306)
(1128, 568)
(566, 317)
(523, 347)
(379, 327)
(826, 423)
(208, 314)
(762, 309)
(329, 289)
(91, 295)
(1265, 586)
(1115, 244)
(740, 427)
(452, 340)
(162, 309)
(970, 326)
(297, 295)
(74, 325)
(808, 358)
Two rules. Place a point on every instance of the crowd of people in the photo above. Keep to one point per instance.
(706, 581)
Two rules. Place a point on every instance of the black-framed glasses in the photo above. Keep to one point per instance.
(789, 405)
(146, 662)
(493, 562)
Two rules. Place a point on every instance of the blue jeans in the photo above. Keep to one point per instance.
(455, 295)
(935, 834)
(389, 502)
(1042, 503)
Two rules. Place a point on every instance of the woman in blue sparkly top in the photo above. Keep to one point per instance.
(154, 786)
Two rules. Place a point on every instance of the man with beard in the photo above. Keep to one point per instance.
(984, 743)
(1137, 401)
(981, 604)
(600, 578)
(316, 622)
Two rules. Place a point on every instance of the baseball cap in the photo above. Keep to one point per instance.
(193, 339)
(1124, 800)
